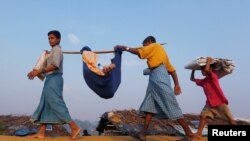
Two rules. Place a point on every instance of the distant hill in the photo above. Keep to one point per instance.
(9, 124)
(124, 120)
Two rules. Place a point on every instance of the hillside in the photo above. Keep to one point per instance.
(122, 122)
(94, 138)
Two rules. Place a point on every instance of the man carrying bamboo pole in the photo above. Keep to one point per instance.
(160, 100)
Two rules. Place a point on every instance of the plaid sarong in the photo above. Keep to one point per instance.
(160, 98)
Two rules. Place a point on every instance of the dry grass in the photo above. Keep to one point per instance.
(93, 138)
(11, 123)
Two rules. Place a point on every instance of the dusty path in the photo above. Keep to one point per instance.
(93, 138)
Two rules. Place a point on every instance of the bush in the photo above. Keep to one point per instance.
(1, 128)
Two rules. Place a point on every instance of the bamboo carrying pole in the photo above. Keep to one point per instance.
(97, 52)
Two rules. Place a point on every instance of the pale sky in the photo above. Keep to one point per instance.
(191, 28)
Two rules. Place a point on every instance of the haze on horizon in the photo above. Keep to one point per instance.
(190, 29)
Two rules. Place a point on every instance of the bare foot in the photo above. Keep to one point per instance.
(194, 137)
(197, 136)
(185, 138)
(142, 137)
(40, 136)
(139, 136)
(75, 133)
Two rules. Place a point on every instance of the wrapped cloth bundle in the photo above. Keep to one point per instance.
(41, 63)
(221, 66)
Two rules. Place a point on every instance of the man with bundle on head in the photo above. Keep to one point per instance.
(217, 103)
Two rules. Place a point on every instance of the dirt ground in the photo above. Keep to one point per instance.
(93, 138)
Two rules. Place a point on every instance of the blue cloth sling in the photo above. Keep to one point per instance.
(104, 86)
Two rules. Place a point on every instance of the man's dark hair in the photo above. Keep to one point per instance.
(149, 39)
(56, 33)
